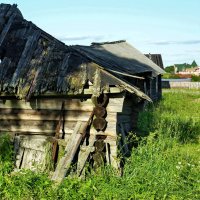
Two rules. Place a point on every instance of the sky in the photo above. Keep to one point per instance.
(169, 27)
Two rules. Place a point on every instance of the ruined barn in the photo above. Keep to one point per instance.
(82, 100)
(156, 81)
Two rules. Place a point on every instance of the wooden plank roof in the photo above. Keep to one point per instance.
(119, 56)
(32, 62)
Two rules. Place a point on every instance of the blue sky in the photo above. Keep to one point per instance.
(169, 27)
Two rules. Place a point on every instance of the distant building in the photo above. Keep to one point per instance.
(192, 71)
(156, 58)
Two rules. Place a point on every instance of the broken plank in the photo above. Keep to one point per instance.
(70, 150)
(25, 58)
(84, 154)
(6, 29)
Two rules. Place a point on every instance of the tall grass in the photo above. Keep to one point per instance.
(165, 165)
(176, 116)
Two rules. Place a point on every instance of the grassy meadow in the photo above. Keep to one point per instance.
(165, 164)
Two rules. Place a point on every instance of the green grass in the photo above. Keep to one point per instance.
(165, 165)
(170, 76)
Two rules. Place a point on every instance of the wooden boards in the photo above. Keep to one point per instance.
(115, 105)
(30, 152)
(70, 150)
(41, 115)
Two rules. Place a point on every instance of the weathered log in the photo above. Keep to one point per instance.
(57, 134)
(41, 115)
(99, 123)
(70, 150)
(6, 29)
(84, 154)
(99, 111)
(53, 104)
(25, 58)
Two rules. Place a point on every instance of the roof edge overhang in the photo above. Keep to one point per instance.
(126, 86)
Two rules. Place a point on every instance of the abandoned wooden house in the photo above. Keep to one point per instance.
(157, 59)
(76, 98)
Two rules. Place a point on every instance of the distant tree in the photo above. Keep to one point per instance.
(169, 69)
(194, 64)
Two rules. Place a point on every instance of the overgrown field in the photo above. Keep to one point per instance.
(165, 165)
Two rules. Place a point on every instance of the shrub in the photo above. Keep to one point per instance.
(195, 78)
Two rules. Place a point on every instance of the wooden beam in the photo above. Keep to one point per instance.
(70, 150)
(84, 154)
(25, 57)
(6, 29)
(53, 104)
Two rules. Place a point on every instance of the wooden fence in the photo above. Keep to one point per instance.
(188, 85)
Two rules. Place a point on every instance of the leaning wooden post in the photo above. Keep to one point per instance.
(71, 149)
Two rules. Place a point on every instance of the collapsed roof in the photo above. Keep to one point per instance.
(32, 62)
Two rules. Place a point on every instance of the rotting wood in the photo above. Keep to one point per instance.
(48, 116)
(125, 74)
(53, 104)
(4, 66)
(16, 145)
(33, 142)
(86, 91)
(63, 70)
(113, 156)
(99, 123)
(32, 158)
(84, 154)
(108, 152)
(124, 139)
(70, 150)
(31, 152)
(99, 111)
(99, 155)
(45, 61)
(6, 29)
(33, 84)
(25, 57)
(42, 115)
(47, 128)
(57, 134)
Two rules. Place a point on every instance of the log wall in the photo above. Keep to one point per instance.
(40, 117)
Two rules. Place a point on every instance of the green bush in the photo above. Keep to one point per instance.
(177, 116)
(195, 78)
(6, 154)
